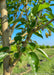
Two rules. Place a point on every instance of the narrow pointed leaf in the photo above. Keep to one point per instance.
(51, 28)
(41, 51)
(38, 34)
(18, 25)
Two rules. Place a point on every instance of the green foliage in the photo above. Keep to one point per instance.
(52, 46)
(41, 51)
(22, 49)
(29, 20)
(37, 46)
(50, 16)
(47, 46)
(38, 34)
(18, 26)
(39, 7)
(16, 55)
(44, 67)
(4, 49)
(35, 9)
(2, 55)
(13, 43)
(47, 67)
(32, 45)
(51, 28)
(18, 38)
(1, 63)
(43, 6)
(42, 46)
(34, 61)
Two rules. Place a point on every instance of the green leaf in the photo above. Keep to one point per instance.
(28, 30)
(17, 20)
(16, 55)
(33, 23)
(35, 9)
(2, 55)
(51, 4)
(34, 61)
(49, 9)
(49, 15)
(32, 45)
(18, 38)
(14, 21)
(43, 6)
(4, 49)
(38, 34)
(51, 24)
(21, 33)
(18, 25)
(41, 51)
(35, 0)
(50, 28)
(23, 21)
(22, 49)
(1, 63)
(10, 51)
(10, 19)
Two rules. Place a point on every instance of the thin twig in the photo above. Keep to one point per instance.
(42, 27)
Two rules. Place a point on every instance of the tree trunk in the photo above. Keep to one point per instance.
(6, 70)
(5, 36)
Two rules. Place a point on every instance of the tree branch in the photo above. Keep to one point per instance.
(37, 28)
(16, 23)
(24, 45)
(13, 26)
(24, 34)
(42, 27)
(11, 41)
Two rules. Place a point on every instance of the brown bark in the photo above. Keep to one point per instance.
(6, 67)
(5, 36)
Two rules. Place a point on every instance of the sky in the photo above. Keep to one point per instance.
(40, 41)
